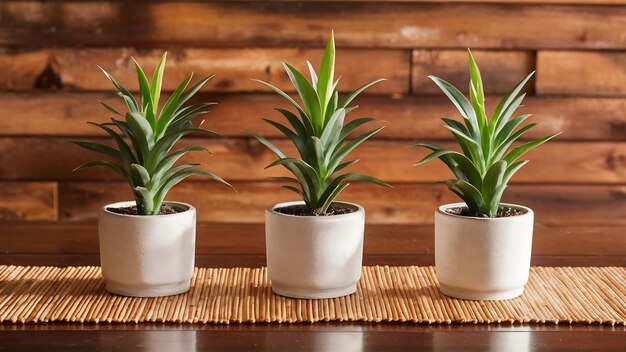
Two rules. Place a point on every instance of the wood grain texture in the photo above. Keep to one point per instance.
(234, 69)
(246, 159)
(403, 204)
(500, 70)
(321, 2)
(50, 85)
(587, 2)
(327, 327)
(308, 338)
(28, 201)
(390, 337)
(408, 117)
(581, 73)
(493, 2)
(405, 25)
(236, 238)
(257, 260)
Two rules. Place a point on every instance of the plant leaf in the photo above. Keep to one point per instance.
(343, 166)
(124, 93)
(331, 197)
(167, 113)
(337, 181)
(514, 154)
(125, 151)
(506, 101)
(460, 102)
(491, 183)
(302, 128)
(353, 125)
(348, 99)
(293, 189)
(308, 96)
(313, 74)
(145, 204)
(147, 105)
(295, 138)
(100, 148)
(326, 75)
(283, 94)
(157, 82)
(471, 195)
(142, 131)
(333, 128)
(462, 166)
(106, 106)
(342, 152)
(108, 164)
(268, 144)
(140, 175)
(193, 90)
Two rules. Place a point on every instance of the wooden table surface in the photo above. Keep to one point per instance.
(242, 245)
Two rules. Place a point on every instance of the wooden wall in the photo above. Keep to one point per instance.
(50, 86)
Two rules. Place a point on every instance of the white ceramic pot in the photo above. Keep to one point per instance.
(482, 258)
(147, 256)
(314, 256)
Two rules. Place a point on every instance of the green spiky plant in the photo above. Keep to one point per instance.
(487, 161)
(146, 163)
(319, 135)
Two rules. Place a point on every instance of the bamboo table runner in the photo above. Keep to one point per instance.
(31, 294)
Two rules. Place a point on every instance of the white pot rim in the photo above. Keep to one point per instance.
(442, 210)
(271, 209)
(132, 202)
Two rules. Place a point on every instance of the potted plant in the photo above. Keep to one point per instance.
(483, 246)
(315, 246)
(147, 246)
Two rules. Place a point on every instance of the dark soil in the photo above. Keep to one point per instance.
(165, 210)
(503, 212)
(303, 210)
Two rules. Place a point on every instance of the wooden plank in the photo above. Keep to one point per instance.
(30, 70)
(581, 73)
(585, 2)
(403, 204)
(246, 159)
(257, 260)
(28, 201)
(404, 338)
(344, 326)
(77, 69)
(500, 70)
(410, 118)
(241, 24)
(235, 238)
(493, 2)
